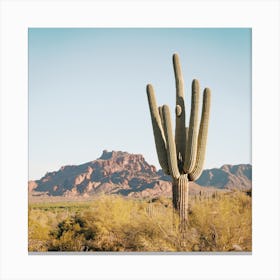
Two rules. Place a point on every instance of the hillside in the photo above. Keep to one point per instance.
(228, 177)
(130, 175)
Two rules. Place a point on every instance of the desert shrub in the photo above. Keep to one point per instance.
(223, 223)
(113, 223)
(72, 234)
(38, 230)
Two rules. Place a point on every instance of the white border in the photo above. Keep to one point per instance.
(17, 16)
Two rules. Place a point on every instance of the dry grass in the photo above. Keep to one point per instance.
(113, 223)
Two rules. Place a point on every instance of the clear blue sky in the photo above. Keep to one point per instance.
(87, 91)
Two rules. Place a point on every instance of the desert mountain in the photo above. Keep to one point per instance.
(228, 177)
(130, 175)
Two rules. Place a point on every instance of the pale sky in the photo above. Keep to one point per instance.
(87, 91)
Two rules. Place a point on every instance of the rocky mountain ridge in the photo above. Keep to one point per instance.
(228, 177)
(128, 174)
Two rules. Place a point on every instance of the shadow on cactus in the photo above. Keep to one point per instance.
(181, 157)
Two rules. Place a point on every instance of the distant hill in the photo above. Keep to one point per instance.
(128, 174)
(228, 177)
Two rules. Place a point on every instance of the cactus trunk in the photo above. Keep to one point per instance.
(180, 190)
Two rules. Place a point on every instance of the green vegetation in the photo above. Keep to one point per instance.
(221, 222)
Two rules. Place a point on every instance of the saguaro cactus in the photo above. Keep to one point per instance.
(181, 157)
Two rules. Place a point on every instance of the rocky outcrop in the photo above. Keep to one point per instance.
(130, 175)
(113, 172)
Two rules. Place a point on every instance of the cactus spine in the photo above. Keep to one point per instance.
(181, 157)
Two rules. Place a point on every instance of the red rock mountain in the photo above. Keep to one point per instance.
(130, 175)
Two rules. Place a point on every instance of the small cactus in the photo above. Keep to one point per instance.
(181, 157)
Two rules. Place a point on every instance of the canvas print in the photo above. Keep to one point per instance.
(139, 140)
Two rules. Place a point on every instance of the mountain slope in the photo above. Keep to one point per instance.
(130, 175)
(228, 177)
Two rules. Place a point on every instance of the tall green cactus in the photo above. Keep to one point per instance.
(181, 157)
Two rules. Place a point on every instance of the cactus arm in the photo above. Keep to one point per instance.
(170, 143)
(202, 136)
(162, 123)
(158, 130)
(178, 76)
(180, 136)
(191, 147)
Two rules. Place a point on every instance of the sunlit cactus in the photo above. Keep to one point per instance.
(181, 156)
